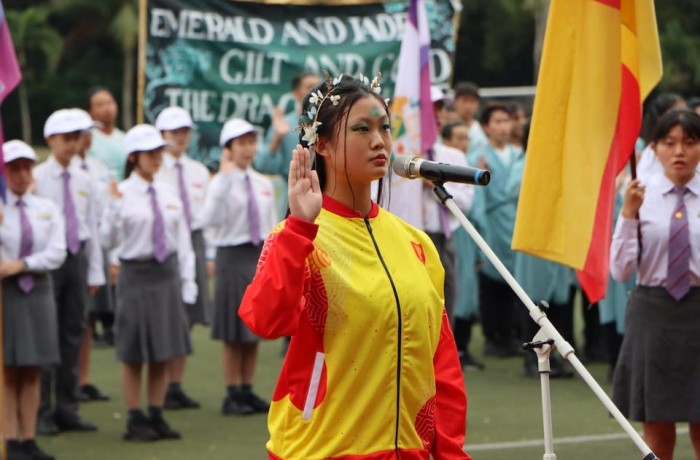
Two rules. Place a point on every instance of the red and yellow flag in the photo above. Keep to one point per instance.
(601, 58)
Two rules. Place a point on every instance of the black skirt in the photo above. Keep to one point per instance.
(235, 268)
(30, 326)
(657, 377)
(151, 322)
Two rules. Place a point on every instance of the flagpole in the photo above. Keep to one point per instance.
(141, 76)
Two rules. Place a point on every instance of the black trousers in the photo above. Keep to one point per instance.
(496, 306)
(446, 250)
(70, 291)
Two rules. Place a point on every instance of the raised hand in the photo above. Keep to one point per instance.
(304, 195)
(634, 197)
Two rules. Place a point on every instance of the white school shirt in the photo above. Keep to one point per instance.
(101, 178)
(49, 184)
(462, 194)
(226, 208)
(127, 228)
(196, 182)
(655, 216)
(48, 232)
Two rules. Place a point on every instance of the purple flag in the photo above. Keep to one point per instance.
(9, 79)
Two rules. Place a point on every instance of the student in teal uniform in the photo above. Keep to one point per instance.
(466, 309)
(275, 153)
(543, 280)
(496, 298)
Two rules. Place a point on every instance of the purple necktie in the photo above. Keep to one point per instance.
(160, 251)
(72, 229)
(678, 276)
(183, 194)
(84, 166)
(253, 214)
(25, 281)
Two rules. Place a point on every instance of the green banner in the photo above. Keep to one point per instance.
(223, 59)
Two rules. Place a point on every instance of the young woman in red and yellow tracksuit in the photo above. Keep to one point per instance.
(372, 370)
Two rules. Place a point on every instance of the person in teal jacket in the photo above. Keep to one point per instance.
(542, 280)
(274, 155)
(496, 298)
(466, 309)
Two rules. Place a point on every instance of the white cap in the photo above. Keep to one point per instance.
(173, 118)
(63, 121)
(235, 127)
(142, 138)
(14, 150)
(86, 121)
(436, 94)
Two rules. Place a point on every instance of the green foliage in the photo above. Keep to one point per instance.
(37, 44)
(679, 22)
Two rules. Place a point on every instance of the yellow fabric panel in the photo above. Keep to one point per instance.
(572, 129)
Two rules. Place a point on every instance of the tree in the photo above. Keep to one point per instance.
(120, 19)
(38, 47)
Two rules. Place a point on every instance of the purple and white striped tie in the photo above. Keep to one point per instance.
(25, 281)
(160, 251)
(72, 226)
(678, 275)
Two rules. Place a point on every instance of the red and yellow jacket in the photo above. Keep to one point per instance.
(372, 371)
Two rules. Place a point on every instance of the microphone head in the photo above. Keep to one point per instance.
(402, 165)
(483, 177)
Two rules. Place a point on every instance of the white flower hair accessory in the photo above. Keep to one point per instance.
(317, 98)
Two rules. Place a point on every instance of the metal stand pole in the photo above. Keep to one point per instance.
(538, 316)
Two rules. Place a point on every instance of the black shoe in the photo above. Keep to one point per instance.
(179, 400)
(73, 423)
(231, 406)
(140, 429)
(15, 451)
(164, 431)
(469, 363)
(90, 392)
(34, 452)
(259, 405)
(46, 426)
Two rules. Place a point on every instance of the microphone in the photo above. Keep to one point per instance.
(412, 167)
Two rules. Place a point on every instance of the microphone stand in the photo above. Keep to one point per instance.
(544, 341)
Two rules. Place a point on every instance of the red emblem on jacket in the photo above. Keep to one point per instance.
(418, 248)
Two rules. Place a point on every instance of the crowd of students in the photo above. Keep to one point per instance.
(116, 235)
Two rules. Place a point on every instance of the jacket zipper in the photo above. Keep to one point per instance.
(398, 338)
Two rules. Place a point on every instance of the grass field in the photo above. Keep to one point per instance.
(504, 413)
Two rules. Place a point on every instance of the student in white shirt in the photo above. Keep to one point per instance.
(32, 243)
(145, 225)
(189, 179)
(100, 305)
(239, 221)
(81, 273)
(657, 372)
